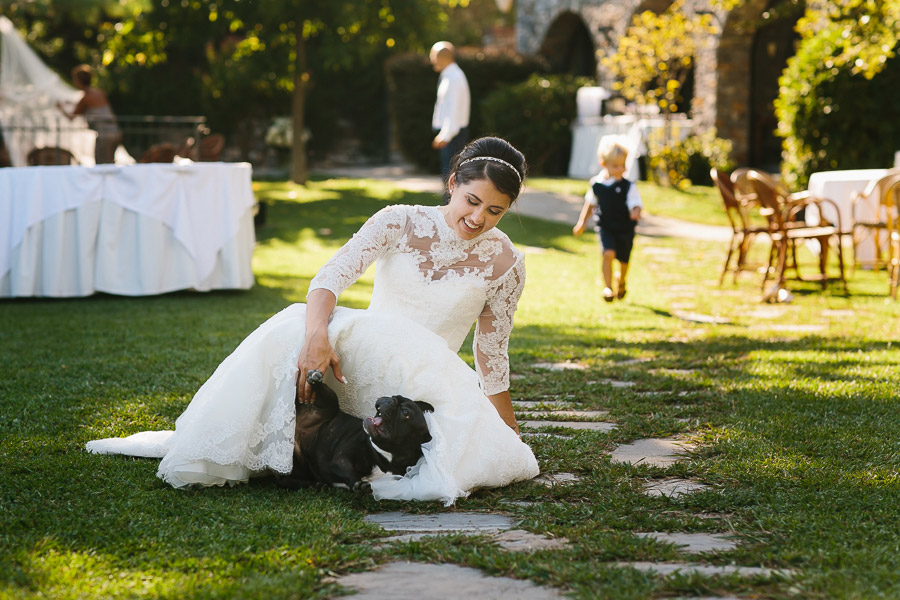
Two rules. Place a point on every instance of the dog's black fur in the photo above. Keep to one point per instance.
(333, 447)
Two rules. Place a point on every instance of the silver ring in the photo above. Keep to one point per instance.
(314, 376)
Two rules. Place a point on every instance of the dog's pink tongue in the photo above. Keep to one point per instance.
(376, 421)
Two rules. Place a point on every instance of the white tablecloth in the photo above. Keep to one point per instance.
(586, 137)
(839, 186)
(130, 230)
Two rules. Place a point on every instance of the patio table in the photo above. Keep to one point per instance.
(840, 186)
(129, 230)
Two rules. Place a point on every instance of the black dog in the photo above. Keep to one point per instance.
(333, 447)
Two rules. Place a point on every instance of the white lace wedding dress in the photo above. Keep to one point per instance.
(430, 286)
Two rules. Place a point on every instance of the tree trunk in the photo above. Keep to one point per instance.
(299, 171)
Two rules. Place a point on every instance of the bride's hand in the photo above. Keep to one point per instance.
(317, 354)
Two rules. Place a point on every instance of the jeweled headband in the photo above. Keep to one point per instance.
(496, 160)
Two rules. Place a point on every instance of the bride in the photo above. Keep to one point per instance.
(439, 269)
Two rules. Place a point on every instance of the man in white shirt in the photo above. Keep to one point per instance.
(451, 110)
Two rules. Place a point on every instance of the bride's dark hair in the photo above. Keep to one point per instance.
(493, 159)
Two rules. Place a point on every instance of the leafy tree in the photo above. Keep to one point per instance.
(231, 59)
(835, 90)
(655, 56)
(652, 63)
(66, 32)
(315, 37)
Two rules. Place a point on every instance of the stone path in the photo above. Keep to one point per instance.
(563, 208)
(709, 570)
(653, 452)
(416, 581)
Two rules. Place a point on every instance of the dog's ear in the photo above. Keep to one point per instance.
(425, 406)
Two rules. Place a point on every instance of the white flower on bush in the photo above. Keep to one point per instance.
(281, 133)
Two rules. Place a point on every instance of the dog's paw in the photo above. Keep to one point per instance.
(362, 487)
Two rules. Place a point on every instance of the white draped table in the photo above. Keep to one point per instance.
(130, 230)
(586, 136)
(840, 186)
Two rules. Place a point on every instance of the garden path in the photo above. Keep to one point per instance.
(563, 208)
(398, 580)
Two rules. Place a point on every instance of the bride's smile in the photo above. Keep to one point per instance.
(474, 208)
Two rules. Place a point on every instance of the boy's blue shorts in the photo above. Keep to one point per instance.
(620, 242)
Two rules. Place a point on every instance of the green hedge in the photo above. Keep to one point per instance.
(689, 161)
(412, 84)
(831, 118)
(536, 116)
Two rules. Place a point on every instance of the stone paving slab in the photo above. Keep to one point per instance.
(418, 581)
(522, 503)
(614, 383)
(559, 366)
(634, 361)
(655, 452)
(552, 479)
(665, 569)
(587, 414)
(680, 372)
(692, 543)
(673, 488)
(448, 522)
(540, 405)
(580, 425)
(700, 318)
(542, 434)
(513, 540)
(519, 540)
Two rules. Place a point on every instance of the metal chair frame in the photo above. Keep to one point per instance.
(743, 232)
(785, 231)
(877, 197)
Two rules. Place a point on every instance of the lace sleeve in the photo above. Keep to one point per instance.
(494, 327)
(376, 236)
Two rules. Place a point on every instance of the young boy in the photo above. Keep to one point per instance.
(616, 205)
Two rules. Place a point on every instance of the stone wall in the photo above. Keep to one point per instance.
(722, 71)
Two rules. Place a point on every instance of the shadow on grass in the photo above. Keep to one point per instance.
(798, 443)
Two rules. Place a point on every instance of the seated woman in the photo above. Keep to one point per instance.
(439, 269)
(96, 110)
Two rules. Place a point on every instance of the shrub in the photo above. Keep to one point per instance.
(687, 162)
(536, 116)
(412, 84)
(832, 117)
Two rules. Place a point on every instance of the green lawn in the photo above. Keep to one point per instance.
(700, 204)
(794, 407)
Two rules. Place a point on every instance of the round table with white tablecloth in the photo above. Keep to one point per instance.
(840, 186)
(129, 230)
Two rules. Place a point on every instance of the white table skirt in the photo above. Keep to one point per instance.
(840, 186)
(196, 232)
(586, 138)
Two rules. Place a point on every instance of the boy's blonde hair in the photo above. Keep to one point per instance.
(612, 146)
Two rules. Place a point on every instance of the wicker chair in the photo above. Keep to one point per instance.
(872, 213)
(743, 231)
(785, 231)
(893, 234)
(50, 155)
(210, 147)
(159, 153)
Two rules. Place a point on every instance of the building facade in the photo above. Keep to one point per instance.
(736, 69)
